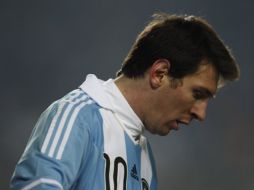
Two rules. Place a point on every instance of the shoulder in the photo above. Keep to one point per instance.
(75, 110)
(78, 107)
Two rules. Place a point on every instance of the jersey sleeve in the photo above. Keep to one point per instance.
(56, 150)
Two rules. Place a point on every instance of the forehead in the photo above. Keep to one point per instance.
(206, 77)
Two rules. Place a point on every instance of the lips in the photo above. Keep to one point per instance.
(175, 125)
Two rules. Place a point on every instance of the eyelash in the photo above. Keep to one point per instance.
(198, 95)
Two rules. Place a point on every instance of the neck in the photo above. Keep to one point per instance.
(134, 91)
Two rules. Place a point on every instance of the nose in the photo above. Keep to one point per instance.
(198, 111)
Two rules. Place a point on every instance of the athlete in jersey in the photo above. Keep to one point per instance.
(89, 139)
(92, 138)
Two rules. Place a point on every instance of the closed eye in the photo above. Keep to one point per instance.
(201, 94)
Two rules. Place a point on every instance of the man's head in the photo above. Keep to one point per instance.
(171, 101)
(178, 63)
(182, 40)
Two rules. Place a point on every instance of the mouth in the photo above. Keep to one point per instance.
(175, 125)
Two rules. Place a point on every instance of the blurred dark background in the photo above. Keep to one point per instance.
(48, 47)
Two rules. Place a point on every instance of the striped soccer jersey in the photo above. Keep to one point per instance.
(89, 139)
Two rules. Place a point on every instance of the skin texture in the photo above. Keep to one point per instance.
(162, 103)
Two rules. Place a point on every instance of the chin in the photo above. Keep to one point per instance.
(163, 133)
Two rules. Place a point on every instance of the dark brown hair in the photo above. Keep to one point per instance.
(184, 41)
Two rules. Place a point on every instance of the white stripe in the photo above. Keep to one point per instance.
(41, 181)
(51, 129)
(69, 127)
(52, 125)
(114, 144)
(62, 123)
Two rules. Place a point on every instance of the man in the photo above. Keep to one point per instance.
(92, 138)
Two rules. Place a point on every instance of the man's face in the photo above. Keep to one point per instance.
(179, 105)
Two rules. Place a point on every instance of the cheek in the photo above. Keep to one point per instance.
(183, 102)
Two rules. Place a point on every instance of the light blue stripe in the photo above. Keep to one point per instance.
(133, 158)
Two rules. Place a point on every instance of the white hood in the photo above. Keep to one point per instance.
(108, 96)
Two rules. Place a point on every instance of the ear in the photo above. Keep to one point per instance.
(158, 72)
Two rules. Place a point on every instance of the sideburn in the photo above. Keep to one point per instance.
(174, 83)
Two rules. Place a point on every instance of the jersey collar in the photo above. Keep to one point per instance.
(108, 96)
